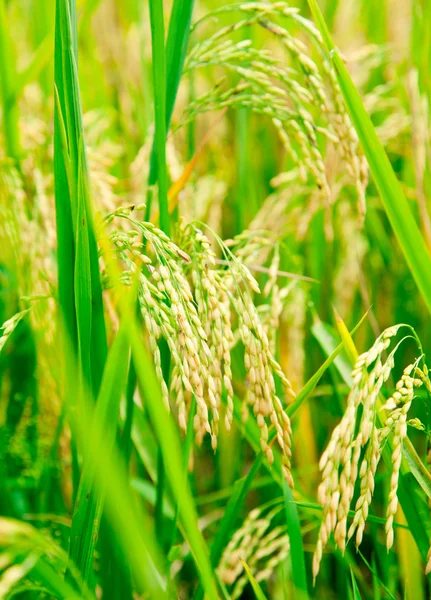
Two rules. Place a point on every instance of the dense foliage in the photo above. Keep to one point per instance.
(215, 290)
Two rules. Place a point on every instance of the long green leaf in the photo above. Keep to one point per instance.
(176, 49)
(314, 380)
(71, 188)
(299, 573)
(170, 448)
(82, 279)
(104, 480)
(258, 592)
(356, 592)
(88, 505)
(159, 87)
(231, 513)
(77, 254)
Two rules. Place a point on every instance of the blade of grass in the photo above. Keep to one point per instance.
(396, 205)
(80, 292)
(47, 483)
(176, 49)
(106, 469)
(421, 43)
(75, 250)
(231, 513)
(159, 524)
(296, 554)
(314, 380)
(94, 426)
(410, 562)
(44, 572)
(63, 212)
(133, 529)
(69, 191)
(356, 592)
(42, 31)
(126, 435)
(16, 579)
(88, 506)
(144, 442)
(222, 587)
(187, 448)
(256, 587)
(148, 491)
(159, 90)
(326, 339)
(82, 279)
(170, 448)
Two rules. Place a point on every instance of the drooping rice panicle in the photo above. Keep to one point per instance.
(356, 444)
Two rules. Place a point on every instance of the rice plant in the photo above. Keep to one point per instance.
(214, 299)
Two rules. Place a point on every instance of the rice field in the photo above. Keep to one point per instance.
(215, 290)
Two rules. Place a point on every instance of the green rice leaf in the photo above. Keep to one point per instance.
(170, 449)
(296, 555)
(89, 502)
(258, 592)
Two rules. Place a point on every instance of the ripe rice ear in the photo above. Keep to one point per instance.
(396, 205)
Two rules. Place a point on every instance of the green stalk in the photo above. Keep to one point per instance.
(297, 558)
(77, 248)
(170, 449)
(187, 447)
(105, 481)
(159, 87)
(126, 437)
(89, 502)
(160, 492)
(159, 91)
(176, 49)
(258, 592)
(63, 215)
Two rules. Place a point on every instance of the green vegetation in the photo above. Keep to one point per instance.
(215, 287)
